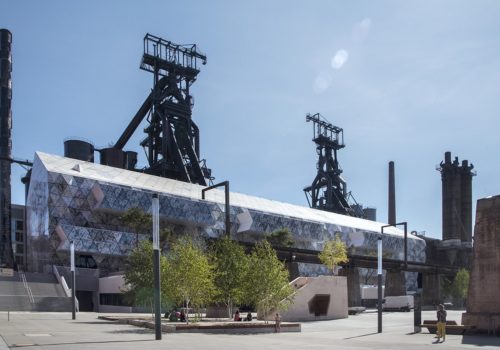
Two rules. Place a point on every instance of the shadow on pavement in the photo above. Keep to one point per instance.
(92, 322)
(481, 340)
(133, 331)
(81, 343)
(359, 336)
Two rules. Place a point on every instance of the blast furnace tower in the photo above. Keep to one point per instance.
(328, 190)
(457, 198)
(172, 142)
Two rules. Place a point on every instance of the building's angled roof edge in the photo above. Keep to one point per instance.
(95, 171)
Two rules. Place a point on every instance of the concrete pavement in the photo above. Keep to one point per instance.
(58, 331)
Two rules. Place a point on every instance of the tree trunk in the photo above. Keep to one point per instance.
(229, 308)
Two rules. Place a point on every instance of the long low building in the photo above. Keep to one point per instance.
(74, 200)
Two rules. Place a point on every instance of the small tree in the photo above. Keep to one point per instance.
(267, 280)
(459, 288)
(334, 252)
(139, 277)
(230, 267)
(138, 220)
(189, 275)
(281, 238)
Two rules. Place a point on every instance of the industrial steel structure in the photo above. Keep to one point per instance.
(457, 199)
(328, 190)
(6, 256)
(172, 144)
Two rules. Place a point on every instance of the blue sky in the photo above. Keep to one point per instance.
(406, 80)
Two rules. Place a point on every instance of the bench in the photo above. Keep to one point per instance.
(451, 327)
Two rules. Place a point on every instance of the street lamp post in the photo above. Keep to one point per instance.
(156, 264)
(226, 202)
(73, 279)
(379, 274)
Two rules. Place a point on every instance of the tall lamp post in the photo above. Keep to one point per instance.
(73, 280)
(379, 274)
(156, 264)
(226, 202)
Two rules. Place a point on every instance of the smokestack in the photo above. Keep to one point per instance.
(466, 201)
(450, 197)
(392, 195)
(6, 257)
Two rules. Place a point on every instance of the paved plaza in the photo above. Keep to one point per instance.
(58, 331)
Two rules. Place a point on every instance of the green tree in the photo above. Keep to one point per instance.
(281, 238)
(138, 220)
(459, 287)
(230, 267)
(189, 274)
(139, 279)
(334, 252)
(267, 285)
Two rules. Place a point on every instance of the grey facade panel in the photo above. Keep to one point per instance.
(87, 209)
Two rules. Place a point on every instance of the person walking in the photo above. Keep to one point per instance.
(441, 323)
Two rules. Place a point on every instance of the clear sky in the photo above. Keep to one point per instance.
(406, 80)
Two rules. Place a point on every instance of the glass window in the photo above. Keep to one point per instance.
(113, 299)
(20, 249)
(19, 236)
(19, 225)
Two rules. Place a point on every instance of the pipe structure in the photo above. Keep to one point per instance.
(392, 195)
(6, 255)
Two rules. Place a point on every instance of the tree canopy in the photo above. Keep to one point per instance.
(230, 268)
(138, 220)
(267, 280)
(139, 279)
(189, 275)
(459, 287)
(334, 252)
(281, 238)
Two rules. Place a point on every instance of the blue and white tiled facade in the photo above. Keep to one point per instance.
(74, 200)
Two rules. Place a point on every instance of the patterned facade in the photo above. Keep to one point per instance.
(73, 200)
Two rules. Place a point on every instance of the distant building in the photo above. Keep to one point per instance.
(18, 235)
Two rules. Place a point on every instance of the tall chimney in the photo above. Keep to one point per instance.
(6, 256)
(392, 195)
(466, 201)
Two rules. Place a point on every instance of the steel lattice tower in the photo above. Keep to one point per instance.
(172, 144)
(328, 191)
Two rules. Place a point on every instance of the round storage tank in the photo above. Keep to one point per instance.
(78, 149)
(370, 213)
(114, 157)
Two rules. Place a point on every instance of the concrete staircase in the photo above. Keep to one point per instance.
(32, 292)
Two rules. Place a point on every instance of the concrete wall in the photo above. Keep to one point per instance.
(307, 288)
(111, 284)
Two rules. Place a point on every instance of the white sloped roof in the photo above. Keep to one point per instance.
(138, 180)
